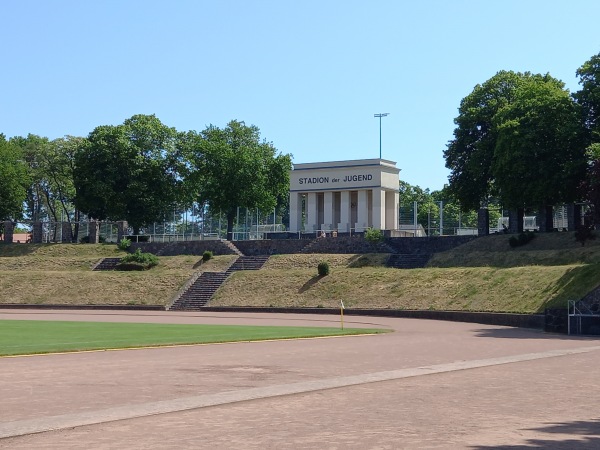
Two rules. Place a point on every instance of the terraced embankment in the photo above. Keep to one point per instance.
(482, 275)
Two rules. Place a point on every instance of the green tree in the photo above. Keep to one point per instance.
(589, 96)
(539, 154)
(232, 167)
(128, 172)
(469, 156)
(14, 180)
(32, 148)
(517, 139)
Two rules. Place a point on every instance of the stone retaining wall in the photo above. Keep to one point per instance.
(434, 244)
(271, 246)
(183, 248)
(346, 245)
(535, 321)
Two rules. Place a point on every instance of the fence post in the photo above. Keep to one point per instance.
(94, 237)
(121, 229)
(573, 216)
(9, 229)
(66, 232)
(483, 222)
(37, 232)
(515, 220)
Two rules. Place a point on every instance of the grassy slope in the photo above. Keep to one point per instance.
(483, 275)
(60, 274)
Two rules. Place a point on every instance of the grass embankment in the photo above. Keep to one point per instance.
(484, 275)
(61, 274)
(21, 337)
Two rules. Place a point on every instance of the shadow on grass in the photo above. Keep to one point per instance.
(573, 285)
(585, 434)
(310, 283)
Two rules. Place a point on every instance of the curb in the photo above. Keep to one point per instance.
(535, 321)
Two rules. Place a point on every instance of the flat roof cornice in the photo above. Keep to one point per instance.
(348, 163)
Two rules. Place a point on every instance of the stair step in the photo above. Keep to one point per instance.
(408, 261)
(202, 290)
(107, 264)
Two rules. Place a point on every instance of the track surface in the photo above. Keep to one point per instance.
(429, 384)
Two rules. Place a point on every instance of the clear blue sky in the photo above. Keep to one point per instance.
(310, 74)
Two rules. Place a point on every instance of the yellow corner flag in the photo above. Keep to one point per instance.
(342, 312)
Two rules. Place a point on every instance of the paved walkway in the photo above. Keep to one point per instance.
(426, 385)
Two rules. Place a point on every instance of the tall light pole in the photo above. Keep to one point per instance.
(380, 115)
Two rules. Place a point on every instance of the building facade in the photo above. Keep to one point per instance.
(344, 195)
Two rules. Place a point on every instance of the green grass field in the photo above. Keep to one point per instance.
(23, 337)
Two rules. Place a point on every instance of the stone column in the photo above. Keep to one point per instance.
(121, 229)
(9, 230)
(483, 222)
(311, 212)
(392, 199)
(66, 232)
(378, 209)
(327, 211)
(345, 219)
(573, 216)
(295, 212)
(362, 211)
(37, 232)
(94, 232)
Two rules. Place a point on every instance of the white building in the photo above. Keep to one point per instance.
(344, 195)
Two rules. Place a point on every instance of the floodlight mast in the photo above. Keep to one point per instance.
(380, 115)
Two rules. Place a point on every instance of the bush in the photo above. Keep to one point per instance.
(138, 261)
(521, 239)
(207, 255)
(373, 235)
(323, 268)
(124, 244)
(585, 233)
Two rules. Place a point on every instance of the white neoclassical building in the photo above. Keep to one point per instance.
(344, 195)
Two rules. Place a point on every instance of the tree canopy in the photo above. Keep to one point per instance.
(539, 157)
(232, 167)
(589, 96)
(14, 180)
(518, 138)
(128, 172)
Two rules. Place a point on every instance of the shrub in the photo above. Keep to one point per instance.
(373, 235)
(323, 268)
(207, 255)
(585, 233)
(521, 239)
(138, 261)
(124, 244)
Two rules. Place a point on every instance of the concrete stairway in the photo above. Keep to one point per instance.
(202, 290)
(107, 264)
(408, 260)
(248, 263)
